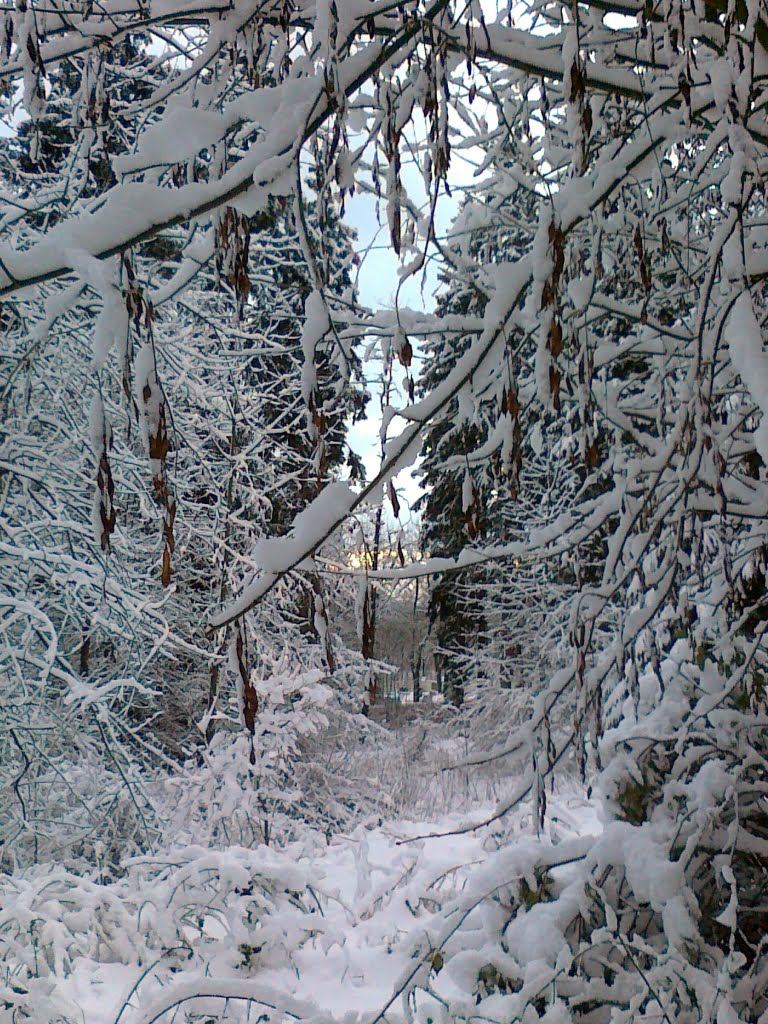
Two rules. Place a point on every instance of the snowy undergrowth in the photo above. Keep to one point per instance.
(329, 918)
(314, 762)
(314, 928)
(427, 922)
(335, 911)
(327, 769)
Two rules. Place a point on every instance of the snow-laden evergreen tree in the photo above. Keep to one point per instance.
(492, 479)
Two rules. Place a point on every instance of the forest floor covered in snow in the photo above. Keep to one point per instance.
(319, 928)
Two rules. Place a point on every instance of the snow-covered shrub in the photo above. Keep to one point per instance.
(291, 773)
(233, 911)
(661, 914)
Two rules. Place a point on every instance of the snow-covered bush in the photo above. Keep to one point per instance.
(193, 908)
(662, 913)
(250, 788)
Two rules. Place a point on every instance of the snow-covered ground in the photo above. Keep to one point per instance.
(315, 930)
